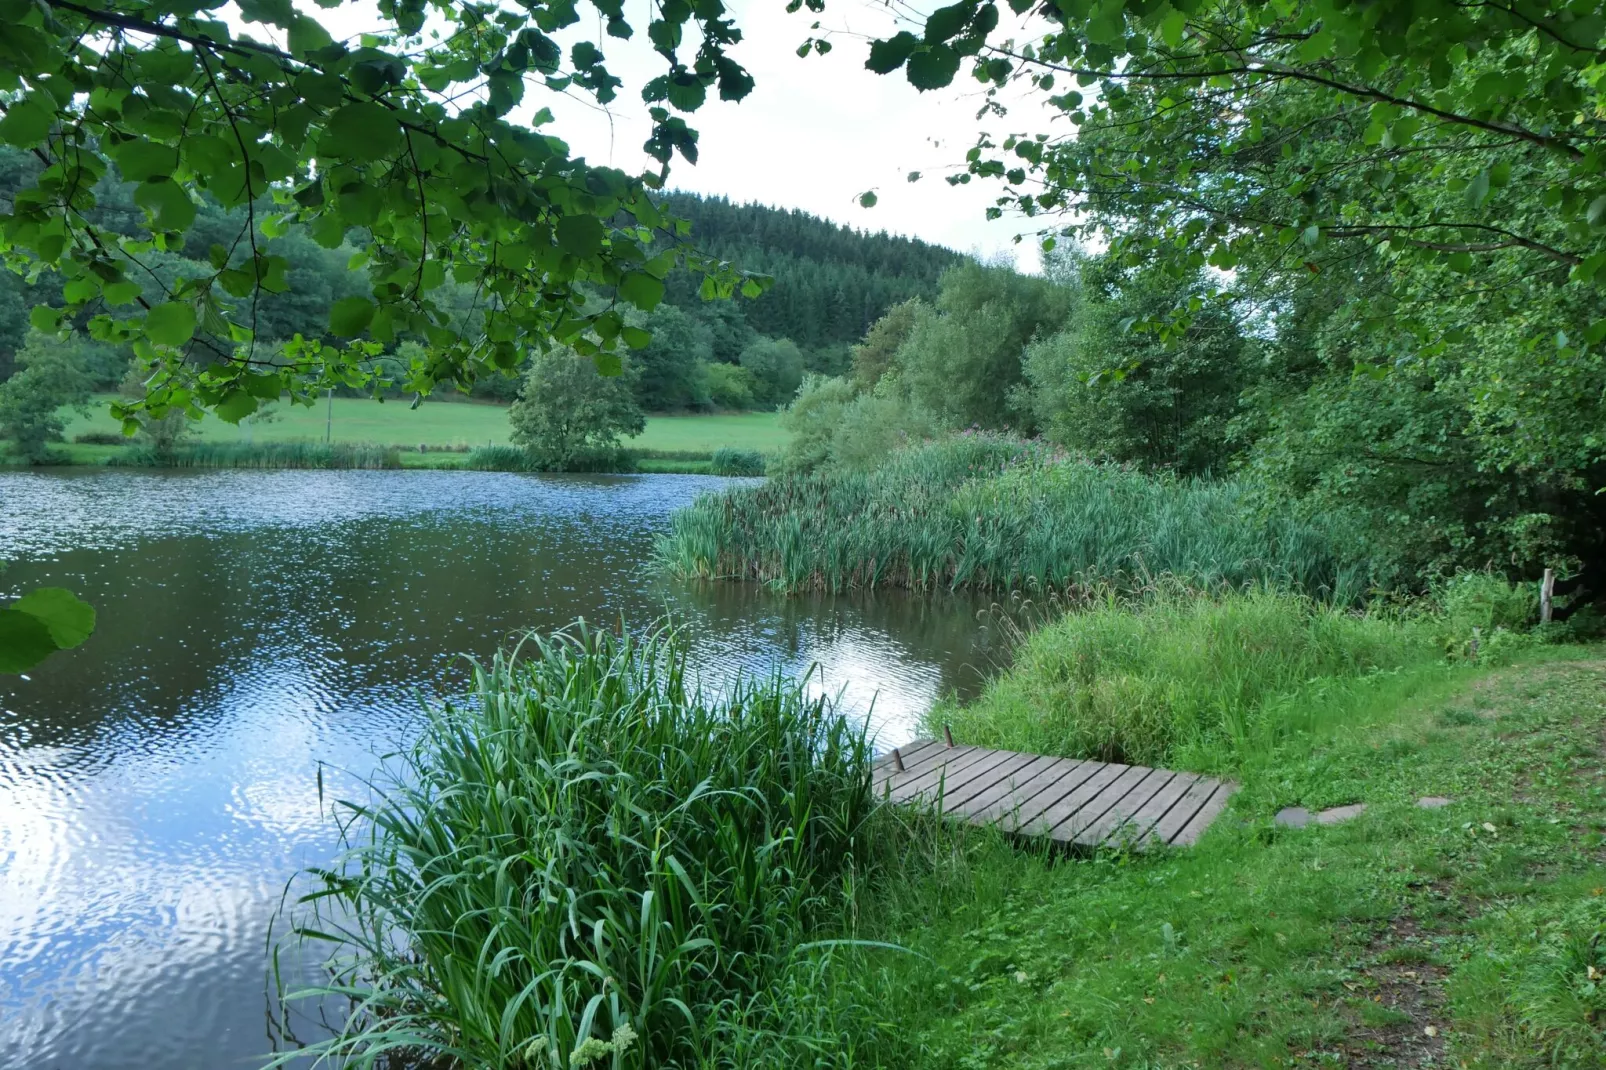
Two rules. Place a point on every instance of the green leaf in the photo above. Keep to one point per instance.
(140, 161)
(868, 199)
(45, 319)
(236, 406)
(168, 202)
(887, 56)
(361, 131)
(933, 68)
(28, 120)
(25, 641)
(69, 620)
(642, 290)
(350, 316)
(1597, 211)
(580, 235)
(636, 338)
(170, 324)
(608, 364)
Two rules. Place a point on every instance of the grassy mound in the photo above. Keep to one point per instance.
(995, 513)
(590, 863)
(1134, 683)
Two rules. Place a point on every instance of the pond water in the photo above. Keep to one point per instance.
(158, 786)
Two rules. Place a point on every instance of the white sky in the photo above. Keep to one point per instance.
(818, 131)
(815, 132)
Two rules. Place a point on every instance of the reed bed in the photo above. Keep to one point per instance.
(263, 455)
(590, 862)
(518, 459)
(997, 513)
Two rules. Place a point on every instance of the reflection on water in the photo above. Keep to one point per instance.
(158, 785)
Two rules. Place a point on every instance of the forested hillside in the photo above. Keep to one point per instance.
(831, 282)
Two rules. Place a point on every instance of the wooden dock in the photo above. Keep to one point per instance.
(1080, 802)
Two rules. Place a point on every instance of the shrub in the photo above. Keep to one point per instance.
(516, 459)
(1132, 683)
(1486, 601)
(101, 438)
(590, 857)
(733, 462)
(730, 386)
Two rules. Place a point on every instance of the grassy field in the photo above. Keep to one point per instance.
(452, 423)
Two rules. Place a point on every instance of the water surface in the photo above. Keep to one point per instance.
(158, 786)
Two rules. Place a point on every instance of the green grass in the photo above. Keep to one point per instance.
(997, 513)
(261, 455)
(589, 862)
(458, 423)
(1468, 936)
(1179, 677)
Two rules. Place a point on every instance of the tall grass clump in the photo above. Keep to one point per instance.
(1138, 682)
(263, 455)
(995, 513)
(518, 459)
(590, 862)
(727, 461)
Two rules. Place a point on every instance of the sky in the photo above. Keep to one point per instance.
(814, 134)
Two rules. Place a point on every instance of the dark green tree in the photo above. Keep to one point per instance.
(51, 378)
(568, 410)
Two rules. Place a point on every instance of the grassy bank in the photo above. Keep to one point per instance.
(589, 863)
(459, 425)
(587, 866)
(994, 513)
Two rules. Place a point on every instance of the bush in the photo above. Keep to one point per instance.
(516, 459)
(777, 368)
(1118, 682)
(590, 858)
(733, 462)
(101, 438)
(53, 377)
(730, 386)
(1486, 601)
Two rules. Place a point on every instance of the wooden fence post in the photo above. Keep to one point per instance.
(1547, 589)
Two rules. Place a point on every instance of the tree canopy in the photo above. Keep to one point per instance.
(405, 137)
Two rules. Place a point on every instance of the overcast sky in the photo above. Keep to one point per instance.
(814, 134)
(817, 132)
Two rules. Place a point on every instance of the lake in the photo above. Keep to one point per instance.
(159, 785)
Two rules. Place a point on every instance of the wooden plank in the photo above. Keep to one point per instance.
(1207, 813)
(1095, 830)
(1136, 830)
(1037, 794)
(954, 778)
(1010, 785)
(1176, 819)
(929, 763)
(959, 798)
(919, 751)
(942, 771)
(1059, 809)
(1094, 806)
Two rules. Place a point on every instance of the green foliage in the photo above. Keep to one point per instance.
(961, 357)
(777, 368)
(1137, 683)
(732, 462)
(731, 386)
(53, 378)
(569, 410)
(403, 138)
(38, 624)
(517, 459)
(873, 356)
(836, 427)
(997, 513)
(589, 854)
(1484, 600)
(669, 374)
(1106, 388)
(1434, 145)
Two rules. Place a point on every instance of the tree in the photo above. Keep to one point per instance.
(401, 135)
(52, 378)
(568, 410)
(777, 368)
(1452, 151)
(669, 369)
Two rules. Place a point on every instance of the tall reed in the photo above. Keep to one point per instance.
(997, 513)
(263, 455)
(590, 861)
